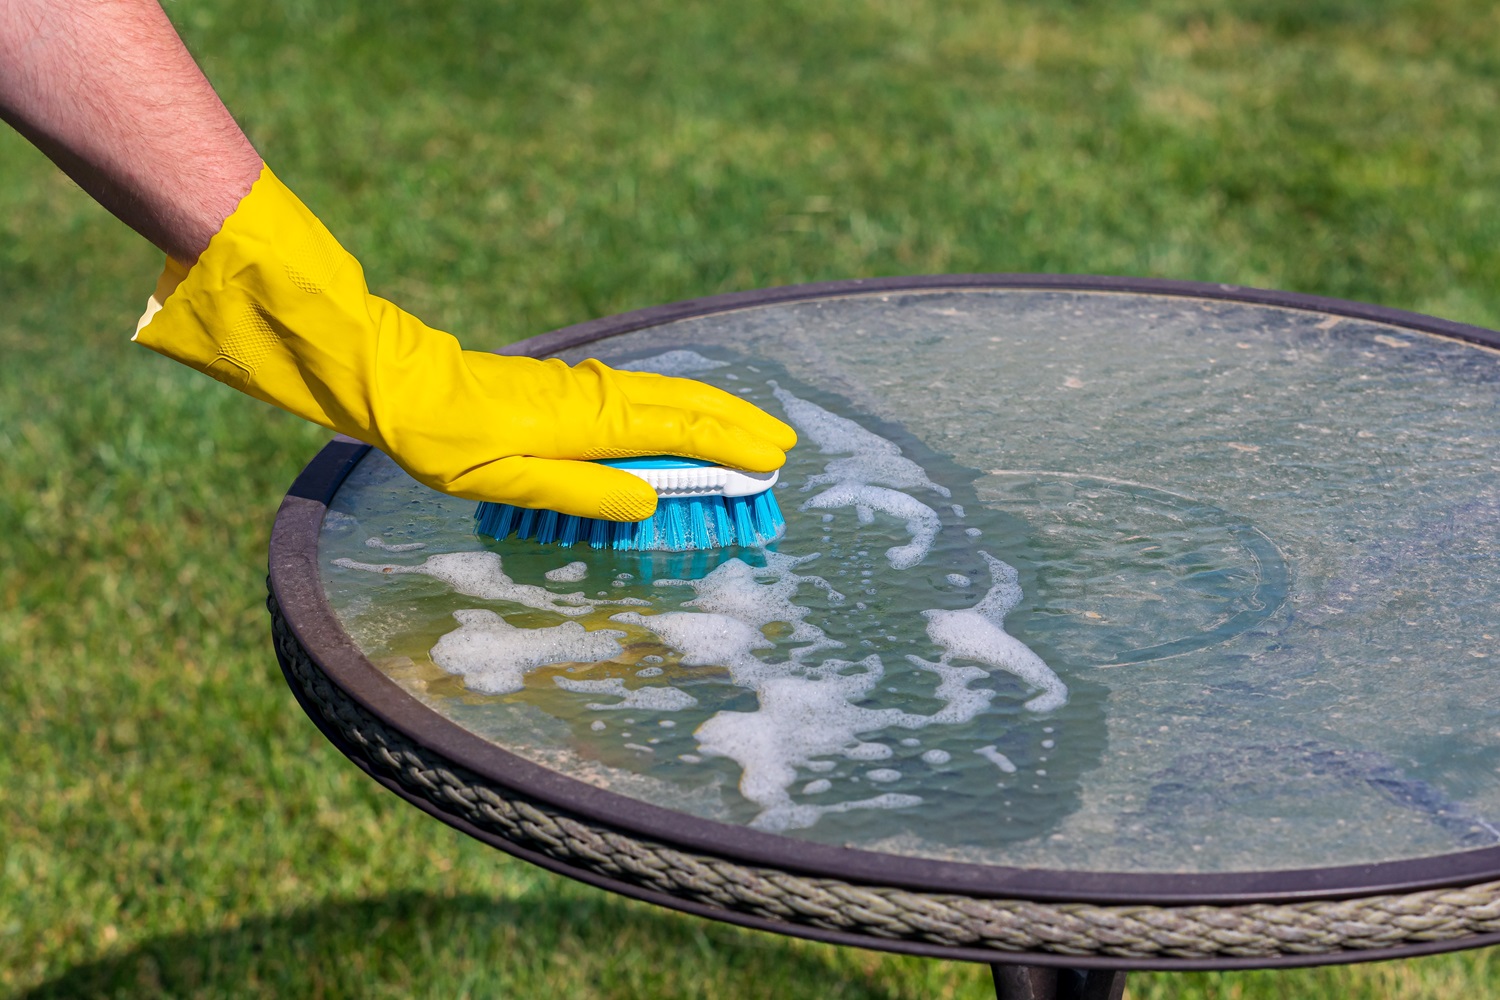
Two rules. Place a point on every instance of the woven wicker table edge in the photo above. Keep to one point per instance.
(1001, 926)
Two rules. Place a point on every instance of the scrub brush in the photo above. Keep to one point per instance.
(699, 506)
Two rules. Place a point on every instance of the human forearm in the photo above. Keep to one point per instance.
(109, 92)
(275, 307)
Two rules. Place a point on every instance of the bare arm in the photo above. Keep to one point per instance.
(109, 92)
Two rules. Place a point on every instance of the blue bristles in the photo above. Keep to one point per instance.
(679, 525)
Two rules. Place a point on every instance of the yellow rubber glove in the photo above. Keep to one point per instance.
(277, 309)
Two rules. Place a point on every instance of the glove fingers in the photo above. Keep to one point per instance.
(690, 394)
(586, 489)
(672, 430)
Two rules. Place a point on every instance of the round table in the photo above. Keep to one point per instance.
(1119, 624)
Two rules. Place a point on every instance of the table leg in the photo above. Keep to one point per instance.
(1036, 982)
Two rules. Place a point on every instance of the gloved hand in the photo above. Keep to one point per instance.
(277, 309)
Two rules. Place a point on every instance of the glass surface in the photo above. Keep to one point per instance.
(1071, 580)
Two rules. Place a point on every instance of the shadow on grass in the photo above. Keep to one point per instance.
(416, 944)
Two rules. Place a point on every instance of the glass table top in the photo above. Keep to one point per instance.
(1071, 580)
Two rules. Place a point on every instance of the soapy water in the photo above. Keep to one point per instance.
(481, 574)
(918, 655)
(494, 656)
(815, 671)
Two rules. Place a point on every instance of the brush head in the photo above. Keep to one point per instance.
(699, 506)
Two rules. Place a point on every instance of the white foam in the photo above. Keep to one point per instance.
(804, 713)
(872, 459)
(571, 573)
(817, 713)
(761, 595)
(799, 718)
(958, 580)
(679, 363)
(922, 521)
(978, 633)
(870, 477)
(482, 575)
(883, 775)
(867, 751)
(649, 672)
(798, 817)
(817, 786)
(376, 542)
(651, 699)
(961, 703)
(706, 640)
(597, 726)
(937, 757)
(997, 758)
(493, 656)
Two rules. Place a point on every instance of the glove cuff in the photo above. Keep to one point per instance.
(244, 312)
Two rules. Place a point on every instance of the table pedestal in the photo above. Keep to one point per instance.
(1036, 982)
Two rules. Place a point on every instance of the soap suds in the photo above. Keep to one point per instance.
(705, 640)
(651, 699)
(571, 573)
(872, 459)
(481, 575)
(978, 633)
(681, 363)
(807, 713)
(799, 817)
(761, 595)
(376, 542)
(870, 478)
(997, 758)
(493, 656)
(921, 520)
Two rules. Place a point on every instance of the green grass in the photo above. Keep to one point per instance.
(172, 825)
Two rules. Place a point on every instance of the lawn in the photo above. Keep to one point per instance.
(174, 826)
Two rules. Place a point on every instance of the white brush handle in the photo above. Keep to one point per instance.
(705, 481)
